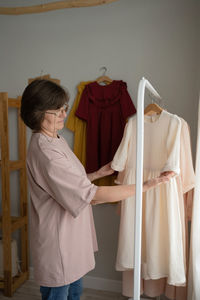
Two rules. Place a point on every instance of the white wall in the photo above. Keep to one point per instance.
(132, 38)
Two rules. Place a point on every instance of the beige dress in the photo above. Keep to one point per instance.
(153, 288)
(163, 235)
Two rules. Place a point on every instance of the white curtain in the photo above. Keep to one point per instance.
(194, 265)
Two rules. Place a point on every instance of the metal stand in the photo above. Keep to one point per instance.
(144, 83)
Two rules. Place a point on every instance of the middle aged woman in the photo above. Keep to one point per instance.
(62, 233)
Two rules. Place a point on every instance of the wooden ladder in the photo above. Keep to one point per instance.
(8, 223)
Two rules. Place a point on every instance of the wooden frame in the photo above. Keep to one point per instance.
(51, 6)
(9, 224)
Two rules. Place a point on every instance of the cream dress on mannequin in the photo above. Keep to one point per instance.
(163, 244)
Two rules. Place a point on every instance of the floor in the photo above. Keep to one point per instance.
(30, 291)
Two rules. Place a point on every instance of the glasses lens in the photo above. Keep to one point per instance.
(63, 109)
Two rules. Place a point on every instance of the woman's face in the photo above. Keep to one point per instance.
(54, 120)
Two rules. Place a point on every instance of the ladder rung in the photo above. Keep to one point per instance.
(15, 164)
(13, 102)
(16, 222)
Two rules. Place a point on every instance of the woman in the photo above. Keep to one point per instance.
(63, 238)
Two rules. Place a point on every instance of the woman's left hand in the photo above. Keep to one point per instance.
(105, 171)
(164, 177)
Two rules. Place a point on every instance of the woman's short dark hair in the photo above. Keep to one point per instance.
(39, 96)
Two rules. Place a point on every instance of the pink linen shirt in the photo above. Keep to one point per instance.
(63, 238)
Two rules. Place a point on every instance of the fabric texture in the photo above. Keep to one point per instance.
(63, 238)
(153, 288)
(105, 109)
(163, 235)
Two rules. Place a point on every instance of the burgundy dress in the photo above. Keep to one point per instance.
(105, 108)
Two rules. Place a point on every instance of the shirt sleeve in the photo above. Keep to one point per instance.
(67, 185)
(120, 158)
(173, 146)
(82, 110)
(127, 106)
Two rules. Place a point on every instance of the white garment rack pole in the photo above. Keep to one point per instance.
(144, 83)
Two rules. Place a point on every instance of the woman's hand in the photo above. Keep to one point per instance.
(164, 177)
(102, 172)
(105, 171)
(106, 194)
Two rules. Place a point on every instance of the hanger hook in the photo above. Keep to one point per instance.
(105, 70)
(41, 73)
(151, 97)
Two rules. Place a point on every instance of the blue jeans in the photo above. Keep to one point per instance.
(71, 291)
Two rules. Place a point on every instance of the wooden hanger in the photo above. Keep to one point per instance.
(104, 78)
(152, 109)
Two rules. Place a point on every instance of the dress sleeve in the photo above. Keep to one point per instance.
(82, 110)
(120, 158)
(66, 184)
(186, 163)
(173, 146)
(127, 106)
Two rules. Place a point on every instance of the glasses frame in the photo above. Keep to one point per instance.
(60, 111)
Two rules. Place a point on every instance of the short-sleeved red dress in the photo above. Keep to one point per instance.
(105, 108)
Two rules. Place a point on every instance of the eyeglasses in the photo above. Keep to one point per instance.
(59, 111)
